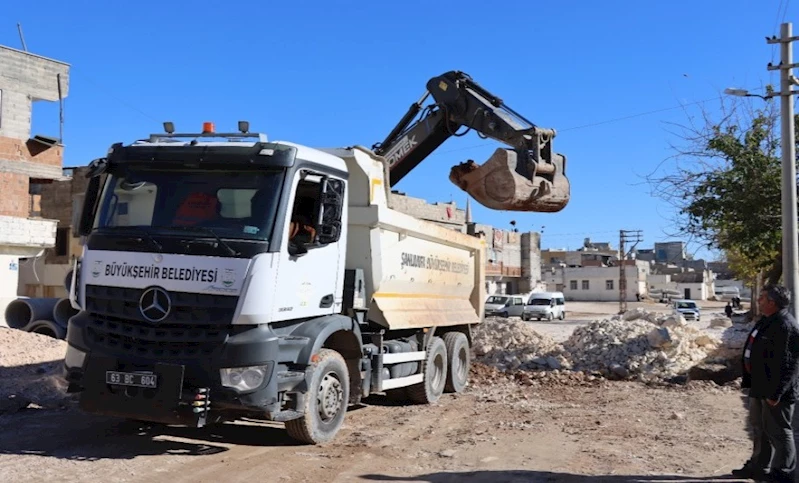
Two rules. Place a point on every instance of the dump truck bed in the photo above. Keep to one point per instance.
(416, 273)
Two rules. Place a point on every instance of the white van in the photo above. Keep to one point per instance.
(504, 306)
(545, 305)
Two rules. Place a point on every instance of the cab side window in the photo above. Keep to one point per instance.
(305, 213)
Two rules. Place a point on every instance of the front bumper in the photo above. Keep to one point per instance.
(187, 389)
(535, 314)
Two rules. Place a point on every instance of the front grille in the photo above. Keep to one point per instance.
(197, 324)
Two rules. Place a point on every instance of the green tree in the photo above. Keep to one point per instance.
(726, 186)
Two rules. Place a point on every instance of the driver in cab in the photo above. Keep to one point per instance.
(301, 229)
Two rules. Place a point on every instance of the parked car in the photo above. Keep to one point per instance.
(687, 308)
(545, 305)
(504, 306)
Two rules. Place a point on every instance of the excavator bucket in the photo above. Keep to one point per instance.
(508, 182)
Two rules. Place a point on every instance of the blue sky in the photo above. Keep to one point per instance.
(341, 73)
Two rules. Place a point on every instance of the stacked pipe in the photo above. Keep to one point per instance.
(47, 316)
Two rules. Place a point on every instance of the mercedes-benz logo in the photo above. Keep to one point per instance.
(155, 304)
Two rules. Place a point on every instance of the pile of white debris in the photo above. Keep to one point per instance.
(636, 343)
(513, 344)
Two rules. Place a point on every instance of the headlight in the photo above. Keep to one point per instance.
(244, 378)
(74, 357)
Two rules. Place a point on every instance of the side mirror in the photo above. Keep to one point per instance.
(96, 169)
(332, 207)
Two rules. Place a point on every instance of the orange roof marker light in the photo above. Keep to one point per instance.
(208, 127)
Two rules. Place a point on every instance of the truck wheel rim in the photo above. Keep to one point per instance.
(329, 397)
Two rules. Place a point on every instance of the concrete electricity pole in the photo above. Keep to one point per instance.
(625, 236)
(790, 260)
(790, 237)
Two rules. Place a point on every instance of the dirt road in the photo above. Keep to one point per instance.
(559, 428)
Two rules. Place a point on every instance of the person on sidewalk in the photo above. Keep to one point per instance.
(771, 374)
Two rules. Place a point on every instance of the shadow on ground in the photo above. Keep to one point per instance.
(514, 476)
(72, 435)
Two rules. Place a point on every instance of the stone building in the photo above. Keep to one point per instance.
(28, 160)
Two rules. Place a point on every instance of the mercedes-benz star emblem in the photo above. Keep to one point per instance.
(155, 304)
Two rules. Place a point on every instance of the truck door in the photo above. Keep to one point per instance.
(309, 284)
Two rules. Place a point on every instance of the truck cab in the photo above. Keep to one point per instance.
(224, 275)
(545, 305)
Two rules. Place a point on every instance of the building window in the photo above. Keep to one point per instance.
(608, 284)
(573, 284)
(585, 284)
(34, 199)
(62, 242)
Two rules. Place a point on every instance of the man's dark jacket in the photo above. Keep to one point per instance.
(774, 359)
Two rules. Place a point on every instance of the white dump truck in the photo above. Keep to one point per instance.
(224, 275)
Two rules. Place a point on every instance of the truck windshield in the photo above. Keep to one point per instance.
(232, 204)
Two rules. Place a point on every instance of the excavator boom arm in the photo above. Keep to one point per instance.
(528, 177)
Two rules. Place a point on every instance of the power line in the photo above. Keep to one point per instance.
(608, 121)
(121, 101)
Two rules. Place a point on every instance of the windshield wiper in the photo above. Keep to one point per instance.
(136, 230)
(201, 229)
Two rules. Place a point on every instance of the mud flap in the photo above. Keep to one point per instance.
(507, 181)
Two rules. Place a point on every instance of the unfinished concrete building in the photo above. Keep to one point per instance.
(60, 201)
(27, 160)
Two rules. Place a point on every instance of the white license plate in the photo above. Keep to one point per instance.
(136, 379)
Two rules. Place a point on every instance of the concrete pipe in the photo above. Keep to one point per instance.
(22, 312)
(62, 312)
(48, 328)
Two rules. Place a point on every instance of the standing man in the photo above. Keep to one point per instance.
(771, 373)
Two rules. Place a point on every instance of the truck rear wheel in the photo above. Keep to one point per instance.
(459, 359)
(435, 374)
(326, 401)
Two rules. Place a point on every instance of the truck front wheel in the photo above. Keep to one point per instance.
(435, 374)
(326, 401)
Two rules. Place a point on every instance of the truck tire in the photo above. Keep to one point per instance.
(435, 374)
(326, 401)
(459, 360)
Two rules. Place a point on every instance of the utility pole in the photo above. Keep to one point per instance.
(790, 239)
(625, 236)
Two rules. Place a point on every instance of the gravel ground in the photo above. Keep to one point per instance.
(520, 425)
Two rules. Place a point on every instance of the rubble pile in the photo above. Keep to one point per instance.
(510, 344)
(641, 344)
(30, 370)
(654, 345)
